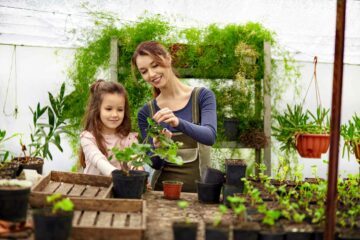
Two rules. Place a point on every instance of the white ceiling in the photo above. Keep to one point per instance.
(304, 27)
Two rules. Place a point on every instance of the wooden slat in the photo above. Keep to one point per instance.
(104, 219)
(41, 184)
(80, 178)
(64, 188)
(109, 205)
(88, 219)
(102, 193)
(51, 187)
(135, 220)
(90, 191)
(119, 220)
(77, 215)
(77, 190)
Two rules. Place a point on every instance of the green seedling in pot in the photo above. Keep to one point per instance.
(238, 206)
(219, 215)
(183, 205)
(59, 203)
(139, 154)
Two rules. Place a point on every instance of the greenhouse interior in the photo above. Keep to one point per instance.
(163, 119)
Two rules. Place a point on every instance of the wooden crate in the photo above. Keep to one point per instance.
(108, 219)
(73, 185)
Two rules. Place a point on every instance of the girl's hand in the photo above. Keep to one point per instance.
(166, 132)
(167, 116)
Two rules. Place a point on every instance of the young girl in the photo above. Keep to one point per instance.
(188, 113)
(107, 124)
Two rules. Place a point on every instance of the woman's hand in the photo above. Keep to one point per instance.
(167, 116)
(166, 132)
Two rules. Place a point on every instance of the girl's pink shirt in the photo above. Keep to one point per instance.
(96, 162)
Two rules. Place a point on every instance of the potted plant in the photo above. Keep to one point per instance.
(44, 134)
(185, 230)
(242, 228)
(306, 132)
(8, 168)
(55, 222)
(217, 230)
(130, 183)
(14, 199)
(351, 134)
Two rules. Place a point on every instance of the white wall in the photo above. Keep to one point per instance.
(39, 70)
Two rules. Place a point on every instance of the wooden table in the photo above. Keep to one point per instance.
(161, 213)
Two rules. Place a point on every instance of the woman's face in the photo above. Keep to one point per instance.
(152, 72)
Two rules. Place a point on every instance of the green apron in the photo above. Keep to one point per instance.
(196, 156)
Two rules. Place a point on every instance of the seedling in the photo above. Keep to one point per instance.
(238, 206)
(183, 205)
(219, 215)
(59, 203)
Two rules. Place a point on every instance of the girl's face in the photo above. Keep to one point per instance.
(112, 112)
(152, 72)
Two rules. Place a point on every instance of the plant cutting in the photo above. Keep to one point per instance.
(8, 168)
(304, 131)
(351, 135)
(217, 230)
(54, 222)
(14, 199)
(44, 134)
(186, 229)
(129, 183)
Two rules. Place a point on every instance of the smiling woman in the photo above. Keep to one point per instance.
(188, 113)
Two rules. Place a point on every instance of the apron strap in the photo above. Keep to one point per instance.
(195, 105)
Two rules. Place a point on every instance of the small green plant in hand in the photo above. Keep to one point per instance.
(183, 205)
(59, 203)
(139, 154)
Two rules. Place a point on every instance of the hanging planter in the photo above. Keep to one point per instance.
(312, 145)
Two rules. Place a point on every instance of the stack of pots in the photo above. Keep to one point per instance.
(209, 188)
(235, 171)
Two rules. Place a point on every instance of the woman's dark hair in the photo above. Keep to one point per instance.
(92, 121)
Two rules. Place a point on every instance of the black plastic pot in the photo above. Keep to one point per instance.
(349, 236)
(318, 235)
(14, 203)
(131, 186)
(299, 236)
(231, 129)
(33, 163)
(184, 231)
(240, 234)
(230, 190)
(271, 236)
(235, 171)
(52, 226)
(208, 192)
(212, 175)
(216, 233)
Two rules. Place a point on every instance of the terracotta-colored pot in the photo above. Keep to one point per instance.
(357, 152)
(312, 145)
(172, 189)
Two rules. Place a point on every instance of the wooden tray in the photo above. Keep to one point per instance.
(108, 219)
(73, 185)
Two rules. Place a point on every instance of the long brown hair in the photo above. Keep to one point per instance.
(92, 121)
(157, 52)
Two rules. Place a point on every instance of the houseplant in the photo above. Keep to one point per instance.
(184, 230)
(55, 222)
(304, 131)
(217, 230)
(351, 135)
(8, 168)
(14, 199)
(129, 183)
(44, 134)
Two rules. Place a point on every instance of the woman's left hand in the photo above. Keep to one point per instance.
(166, 115)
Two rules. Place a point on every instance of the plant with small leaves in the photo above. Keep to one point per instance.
(270, 216)
(44, 134)
(238, 206)
(351, 135)
(4, 154)
(139, 154)
(59, 203)
(219, 215)
(183, 205)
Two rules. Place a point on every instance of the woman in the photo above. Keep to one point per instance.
(188, 113)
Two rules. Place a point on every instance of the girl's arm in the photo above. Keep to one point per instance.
(94, 156)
